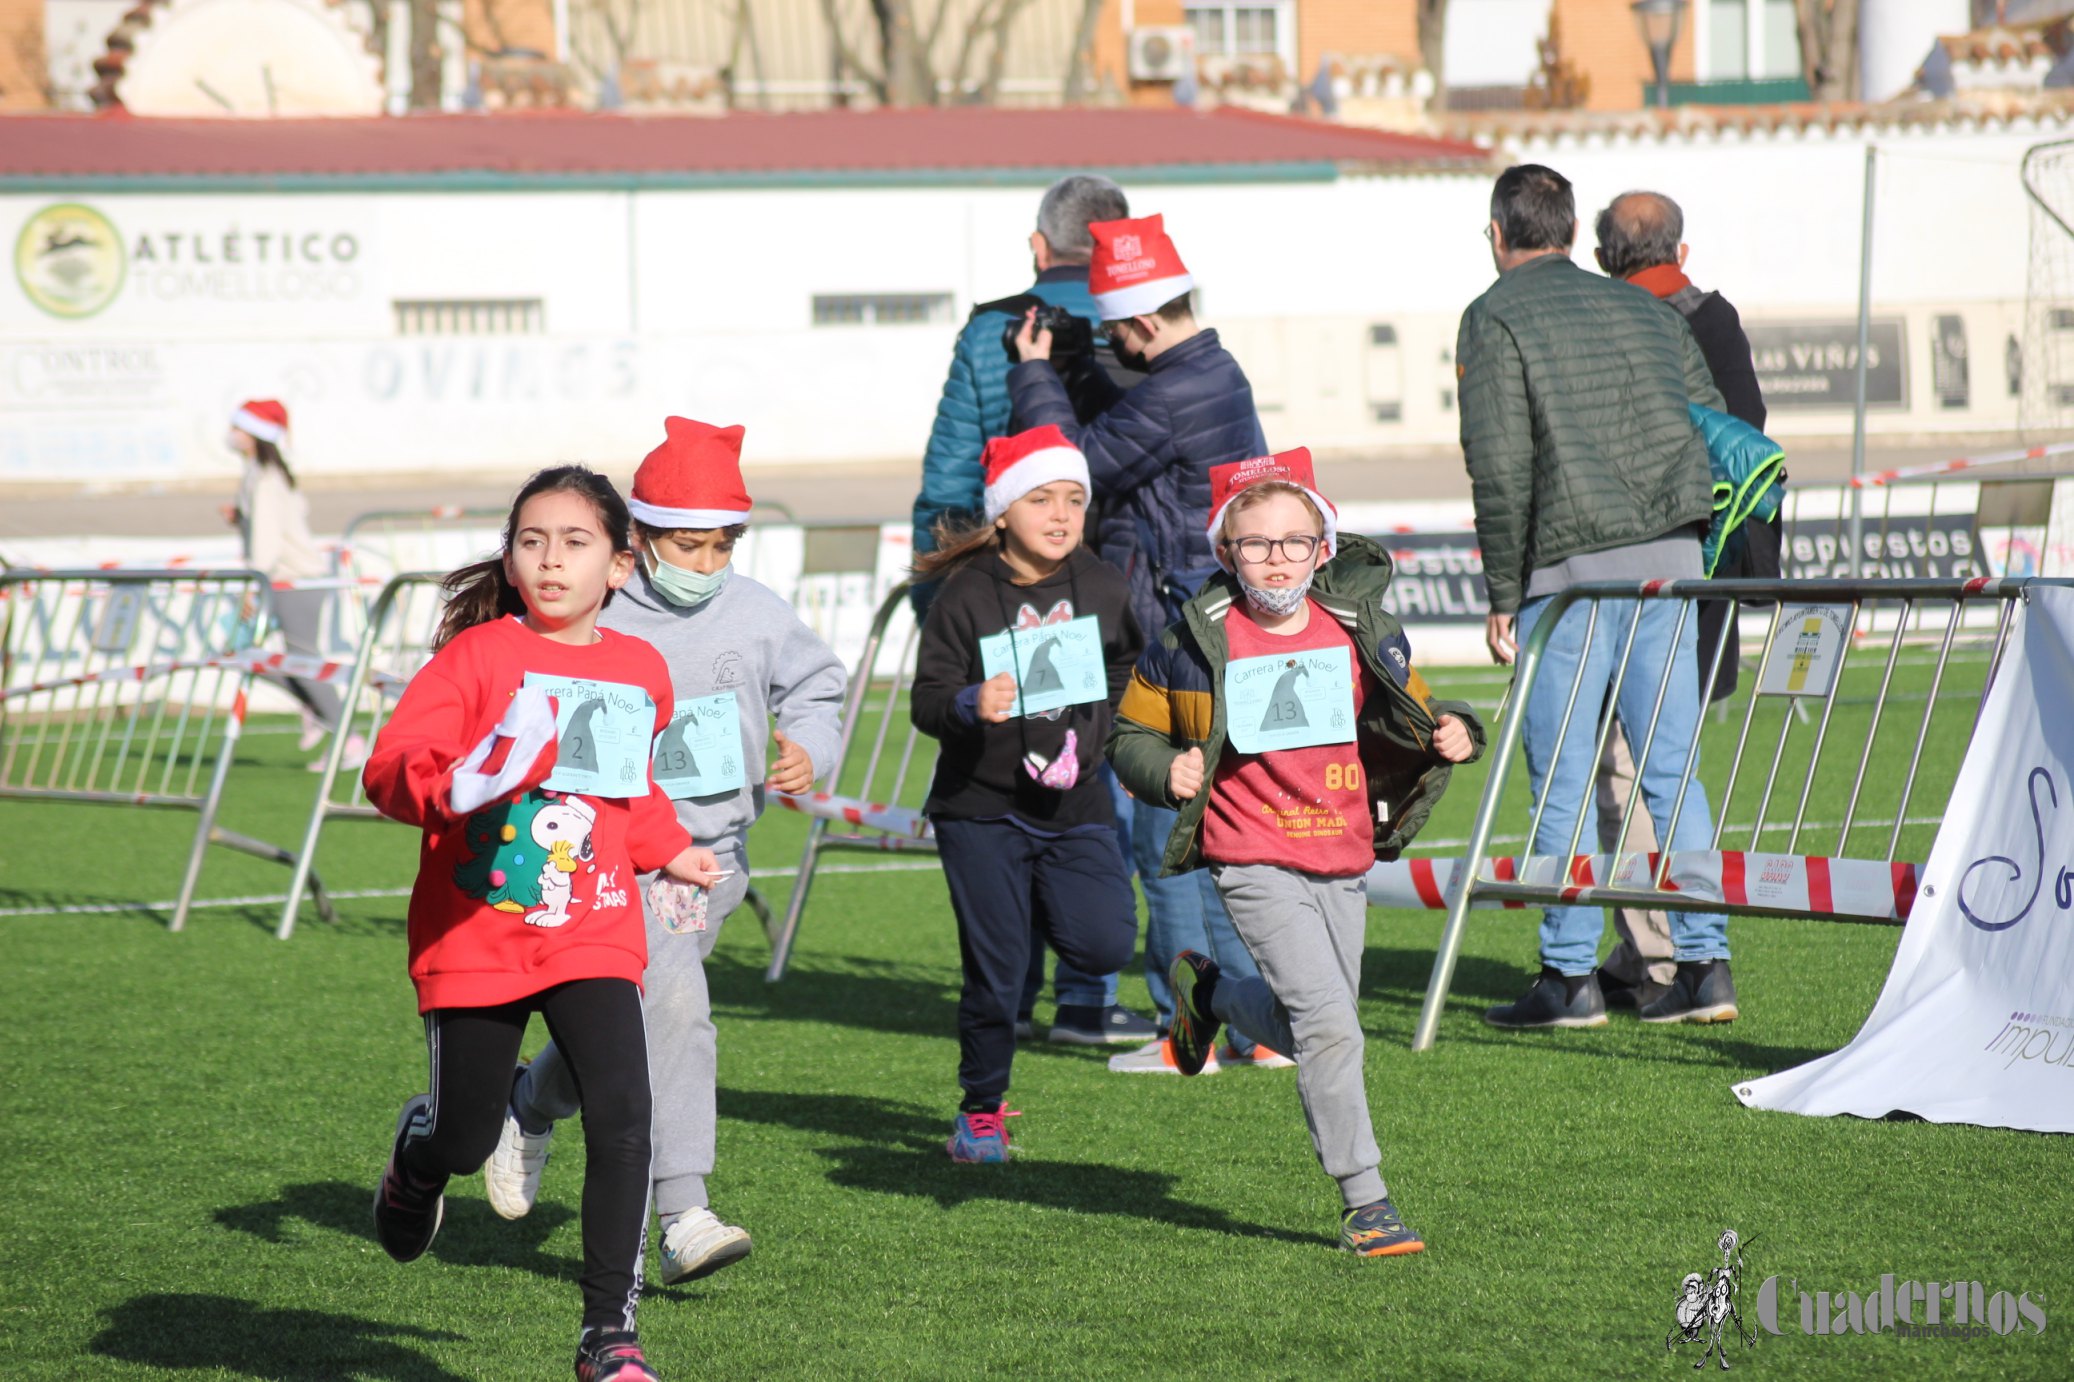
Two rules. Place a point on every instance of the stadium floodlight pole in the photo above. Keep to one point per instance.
(1864, 349)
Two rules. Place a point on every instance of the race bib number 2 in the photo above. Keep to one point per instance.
(601, 736)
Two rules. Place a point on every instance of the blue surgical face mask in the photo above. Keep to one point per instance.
(686, 588)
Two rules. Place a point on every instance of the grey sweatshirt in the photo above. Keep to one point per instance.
(748, 641)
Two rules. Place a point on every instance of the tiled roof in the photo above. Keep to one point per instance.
(957, 144)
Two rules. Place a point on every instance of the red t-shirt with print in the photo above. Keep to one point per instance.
(1304, 809)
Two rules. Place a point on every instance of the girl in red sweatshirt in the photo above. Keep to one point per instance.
(521, 750)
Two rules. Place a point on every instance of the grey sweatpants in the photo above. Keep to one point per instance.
(683, 1053)
(1306, 934)
(300, 616)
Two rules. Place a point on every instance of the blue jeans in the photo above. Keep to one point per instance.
(1184, 912)
(1070, 987)
(1570, 935)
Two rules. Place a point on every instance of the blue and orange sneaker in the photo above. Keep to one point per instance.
(1194, 1032)
(612, 1355)
(1374, 1230)
(981, 1137)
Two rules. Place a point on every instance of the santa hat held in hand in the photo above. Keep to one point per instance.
(264, 419)
(693, 480)
(1135, 270)
(1030, 460)
(1288, 467)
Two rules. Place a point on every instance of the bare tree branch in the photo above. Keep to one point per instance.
(1829, 47)
(1080, 68)
(1433, 48)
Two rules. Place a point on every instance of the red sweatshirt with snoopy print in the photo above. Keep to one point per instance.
(538, 887)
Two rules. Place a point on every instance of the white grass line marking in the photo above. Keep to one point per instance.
(350, 894)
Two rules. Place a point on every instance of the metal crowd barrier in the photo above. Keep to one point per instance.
(1831, 644)
(868, 827)
(131, 688)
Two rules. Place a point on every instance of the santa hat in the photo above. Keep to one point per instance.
(1030, 460)
(1136, 269)
(693, 480)
(263, 418)
(1288, 467)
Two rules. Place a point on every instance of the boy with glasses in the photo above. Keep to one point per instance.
(1281, 719)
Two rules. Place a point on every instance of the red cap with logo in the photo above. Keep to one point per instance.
(1288, 467)
(1135, 269)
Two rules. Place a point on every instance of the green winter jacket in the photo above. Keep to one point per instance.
(1174, 703)
(1574, 393)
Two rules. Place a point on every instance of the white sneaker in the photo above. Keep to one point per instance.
(313, 733)
(512, 1174)
(1156, 1058)
(699, 1243)
(1259, 1058)
(354, 758)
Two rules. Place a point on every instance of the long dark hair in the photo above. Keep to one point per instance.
(266, 453)
(480, 591)
(956, 544)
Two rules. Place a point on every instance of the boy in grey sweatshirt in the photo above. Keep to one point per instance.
(737, 655)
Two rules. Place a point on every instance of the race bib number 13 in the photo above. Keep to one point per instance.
(1289, 700)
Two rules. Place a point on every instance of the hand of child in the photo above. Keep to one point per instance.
(1451, 739)
(695, 865)
(794, 771)
(1030, 343)
(1185, 777)
(997, 698)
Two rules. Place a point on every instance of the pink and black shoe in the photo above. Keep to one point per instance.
(612, 1355)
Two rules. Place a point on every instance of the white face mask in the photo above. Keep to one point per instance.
(1280, 599)
(686, 588)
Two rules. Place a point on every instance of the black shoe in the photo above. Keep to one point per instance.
(1704, 991)
(407, 1211)
(1619, 993)
(1194, 978)
(612, 1355)
(1078, 1025)
(1555, 1001)
(1025, 1029)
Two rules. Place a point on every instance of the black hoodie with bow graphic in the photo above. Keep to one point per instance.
(980, 767)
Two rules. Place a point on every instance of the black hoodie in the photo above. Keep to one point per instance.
(980, 771)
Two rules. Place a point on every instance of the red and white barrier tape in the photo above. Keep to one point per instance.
(1869, 888)
(1917, 472)
(253, 661)
(899, 822)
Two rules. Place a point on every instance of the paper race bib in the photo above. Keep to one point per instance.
(1054, 665)
(1289, 700)
(699, 754)
(601, 735)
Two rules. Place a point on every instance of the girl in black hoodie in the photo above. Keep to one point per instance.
(1025, 651)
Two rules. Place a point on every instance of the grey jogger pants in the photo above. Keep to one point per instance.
(1306, 934)
(683, 1052)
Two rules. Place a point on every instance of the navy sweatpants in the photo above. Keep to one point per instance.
(1073, 889)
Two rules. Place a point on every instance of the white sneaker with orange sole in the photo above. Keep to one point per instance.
(1259, 1058)
(1155, 1058)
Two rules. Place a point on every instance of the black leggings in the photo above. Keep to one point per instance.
(596, 1024)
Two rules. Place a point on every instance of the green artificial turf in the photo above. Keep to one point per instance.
(194, 1123)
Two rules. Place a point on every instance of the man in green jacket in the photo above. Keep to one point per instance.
(1585, 466)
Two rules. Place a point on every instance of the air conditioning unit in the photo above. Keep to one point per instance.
(1165, 53)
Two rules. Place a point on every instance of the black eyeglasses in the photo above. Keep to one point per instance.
(1259, 549)
(1488, 236)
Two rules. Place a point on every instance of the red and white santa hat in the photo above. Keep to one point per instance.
(1136, 269)
(263, 418)
(1288, 467)
(1030, 460)
(693, 480)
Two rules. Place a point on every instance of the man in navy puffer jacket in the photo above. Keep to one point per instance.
(1150, 450)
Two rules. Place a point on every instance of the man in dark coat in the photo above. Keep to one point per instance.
(1641, 240)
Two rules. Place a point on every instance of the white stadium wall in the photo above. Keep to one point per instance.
(119, 363)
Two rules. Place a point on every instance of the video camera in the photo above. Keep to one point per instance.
(1070, 335)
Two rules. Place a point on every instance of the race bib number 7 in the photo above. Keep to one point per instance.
(1289, 700)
